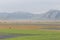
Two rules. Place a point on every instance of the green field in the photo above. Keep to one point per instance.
(43, 34)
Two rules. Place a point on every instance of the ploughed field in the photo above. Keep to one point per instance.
(29, 31)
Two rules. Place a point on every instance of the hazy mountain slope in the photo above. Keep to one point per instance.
(15, 16)
(18, 16)
(50, 15)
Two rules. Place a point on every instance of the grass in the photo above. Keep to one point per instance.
(21, 29)
(44, 34)
(41, 37)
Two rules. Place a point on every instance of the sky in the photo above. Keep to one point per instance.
(32, 6)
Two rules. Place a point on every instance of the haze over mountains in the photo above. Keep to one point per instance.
(50, 15)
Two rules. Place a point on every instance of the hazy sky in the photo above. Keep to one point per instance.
(34, 6)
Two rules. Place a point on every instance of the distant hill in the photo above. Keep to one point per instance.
(15, 16)
(50, 15)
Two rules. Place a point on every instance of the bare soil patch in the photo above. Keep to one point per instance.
(28, 26)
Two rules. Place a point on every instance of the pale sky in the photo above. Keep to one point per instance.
(33, 6)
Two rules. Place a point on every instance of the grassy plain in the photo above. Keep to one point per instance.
(44, 34)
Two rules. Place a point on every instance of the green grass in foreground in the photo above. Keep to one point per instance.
(44, 34)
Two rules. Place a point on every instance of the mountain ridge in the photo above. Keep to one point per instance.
(50, 15)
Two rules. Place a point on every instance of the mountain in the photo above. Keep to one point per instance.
(15, 16)
(50, 15)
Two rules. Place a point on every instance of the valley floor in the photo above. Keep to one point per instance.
(29, 31)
